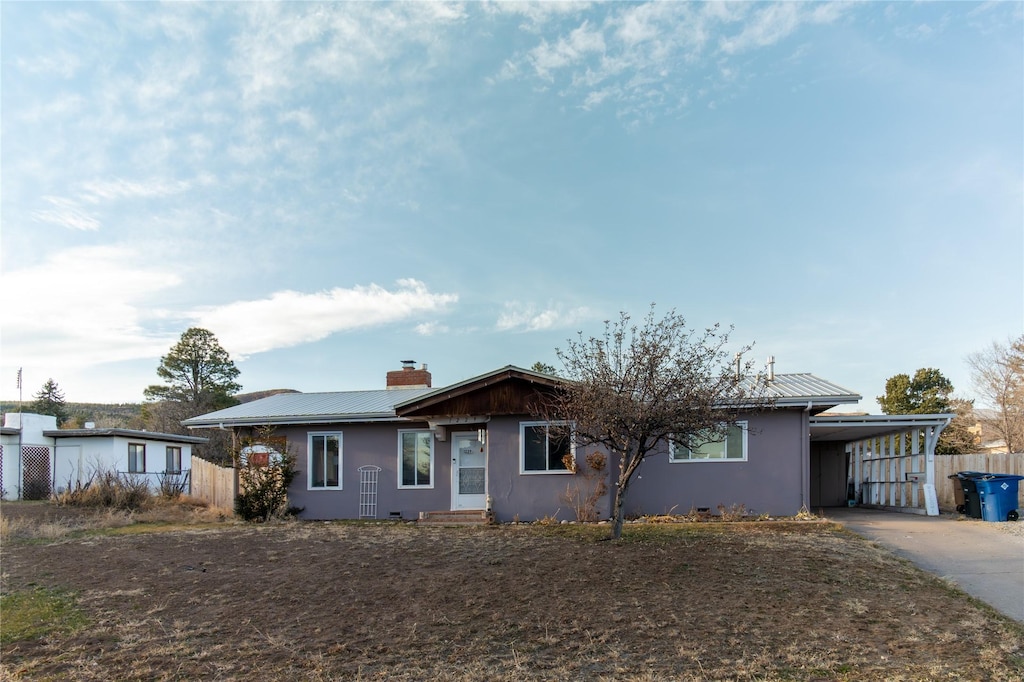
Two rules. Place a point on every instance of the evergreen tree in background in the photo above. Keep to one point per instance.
(199, 377)
(50, 400)
(197, 371)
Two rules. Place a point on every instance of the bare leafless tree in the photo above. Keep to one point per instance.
(638, 387)
(998, 376)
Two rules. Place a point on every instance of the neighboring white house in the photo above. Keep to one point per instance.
(37, 458)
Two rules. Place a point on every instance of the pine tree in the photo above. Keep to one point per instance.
(50, 400)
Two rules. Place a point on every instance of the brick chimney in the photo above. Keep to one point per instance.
(409, 376)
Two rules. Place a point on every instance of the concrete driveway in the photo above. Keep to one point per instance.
(983, 558)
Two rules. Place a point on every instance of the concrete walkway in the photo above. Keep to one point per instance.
(983, 558)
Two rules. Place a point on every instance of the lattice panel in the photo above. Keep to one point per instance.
(35, 472)
(368, 492)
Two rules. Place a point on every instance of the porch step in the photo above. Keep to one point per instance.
(469, 517)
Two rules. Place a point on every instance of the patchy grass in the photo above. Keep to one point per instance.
(787, 600)
(42, 522)
(31, 614)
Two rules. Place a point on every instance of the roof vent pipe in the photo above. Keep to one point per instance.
(771, 368)
(739, 357)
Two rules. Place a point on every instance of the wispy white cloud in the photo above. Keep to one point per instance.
(110, 316)
(66, 213)
(285, 45)
(432, 328)
(527, 317)
(631, 56)
(59, 62)
(577, 46)
(83, 306)
(536, 15)
(290, 318)
(95, 191)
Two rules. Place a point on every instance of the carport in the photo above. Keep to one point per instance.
(888, 459)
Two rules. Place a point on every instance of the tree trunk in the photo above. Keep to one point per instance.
(626, 470)
(617, 510)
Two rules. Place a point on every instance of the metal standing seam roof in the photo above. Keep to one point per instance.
(379, 405)
(306, 408)
(799, 388)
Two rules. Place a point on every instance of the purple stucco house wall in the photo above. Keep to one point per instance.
(476, 445)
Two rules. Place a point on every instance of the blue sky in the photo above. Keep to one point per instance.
(334, 188)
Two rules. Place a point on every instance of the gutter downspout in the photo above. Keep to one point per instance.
(234, 444)
(805, 456)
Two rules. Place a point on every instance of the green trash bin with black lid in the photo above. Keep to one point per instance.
(997, 494)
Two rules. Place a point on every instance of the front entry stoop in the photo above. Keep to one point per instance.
(462, 517)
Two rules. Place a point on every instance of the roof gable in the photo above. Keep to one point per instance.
(509, 390)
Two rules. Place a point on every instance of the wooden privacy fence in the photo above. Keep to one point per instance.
(993, 463)
(215, 484)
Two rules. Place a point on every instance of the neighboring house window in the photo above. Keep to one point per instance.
(325, 460)
(729, 448)
(542, 449)
(173, 460)
(136, 458)
(415, 459)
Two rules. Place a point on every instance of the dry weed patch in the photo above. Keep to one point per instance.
(319, 601)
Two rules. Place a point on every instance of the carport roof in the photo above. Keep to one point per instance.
(850, 428)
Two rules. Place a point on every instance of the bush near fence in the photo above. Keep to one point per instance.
(993, 463)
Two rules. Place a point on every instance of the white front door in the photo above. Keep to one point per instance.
(469, 472)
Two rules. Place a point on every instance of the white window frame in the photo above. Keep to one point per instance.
(547, 440)
(133, 465)
(309, 460)
(741, 425)
(430, 437)
(169, 460)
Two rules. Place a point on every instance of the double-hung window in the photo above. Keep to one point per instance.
(136, 458)
(731, 447)
(173, 460)
(415, 459)
(324, 461)
(544, 447)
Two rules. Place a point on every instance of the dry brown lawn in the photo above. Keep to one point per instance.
(318, 601)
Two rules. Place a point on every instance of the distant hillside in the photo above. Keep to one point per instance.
(125, 415)
(106, 415)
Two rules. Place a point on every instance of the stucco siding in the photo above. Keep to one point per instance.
(772, 479)
(517, 495)
(76, 460)
(514, 495)
(362, 445)
(769, 481)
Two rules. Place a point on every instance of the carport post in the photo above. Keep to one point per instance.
(931, 439)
